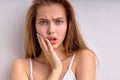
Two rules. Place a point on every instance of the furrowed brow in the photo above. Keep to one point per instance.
(42, 19)
(59, 18)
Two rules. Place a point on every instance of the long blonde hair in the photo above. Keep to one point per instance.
(73, 40)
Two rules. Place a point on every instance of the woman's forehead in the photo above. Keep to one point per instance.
(53, 11)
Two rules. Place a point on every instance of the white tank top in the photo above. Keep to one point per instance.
(68, 75)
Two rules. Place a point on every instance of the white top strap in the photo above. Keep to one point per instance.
(71, 62)
(30, 61)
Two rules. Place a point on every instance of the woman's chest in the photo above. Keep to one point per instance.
(42, 71)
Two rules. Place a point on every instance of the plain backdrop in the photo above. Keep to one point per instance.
(99, 23)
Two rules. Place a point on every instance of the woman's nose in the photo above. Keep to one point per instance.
(51, 29)
(50, 32)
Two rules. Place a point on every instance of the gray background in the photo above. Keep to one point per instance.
(100, 27)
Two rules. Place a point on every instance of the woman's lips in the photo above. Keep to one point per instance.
(52, 40)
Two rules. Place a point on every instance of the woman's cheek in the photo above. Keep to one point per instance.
(42, 32)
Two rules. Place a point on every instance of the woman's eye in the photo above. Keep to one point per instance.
(42, 22)
(59, 22)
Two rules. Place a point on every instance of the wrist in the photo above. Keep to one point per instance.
(57, 71)
(55, 74)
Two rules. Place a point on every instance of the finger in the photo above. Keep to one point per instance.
(42, 43)
(50, 47)
(55, 58)
(51, 50)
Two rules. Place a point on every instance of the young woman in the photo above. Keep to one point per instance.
(54, 46)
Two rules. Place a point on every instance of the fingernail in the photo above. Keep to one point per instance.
(36, 33)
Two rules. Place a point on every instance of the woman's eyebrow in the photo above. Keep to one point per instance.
(42, 19)
(59, 18)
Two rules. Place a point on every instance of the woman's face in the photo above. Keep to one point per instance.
(51, 23)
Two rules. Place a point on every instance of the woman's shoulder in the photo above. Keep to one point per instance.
(20, 66)
(85, 53)
(85, 64)
(20, 62)
(84, 57)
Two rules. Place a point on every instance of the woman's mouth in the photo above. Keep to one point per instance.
(52, 40)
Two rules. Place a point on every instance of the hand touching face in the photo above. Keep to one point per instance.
(49, 52)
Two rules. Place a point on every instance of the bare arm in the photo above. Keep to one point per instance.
(86, 66)
(18, 70)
